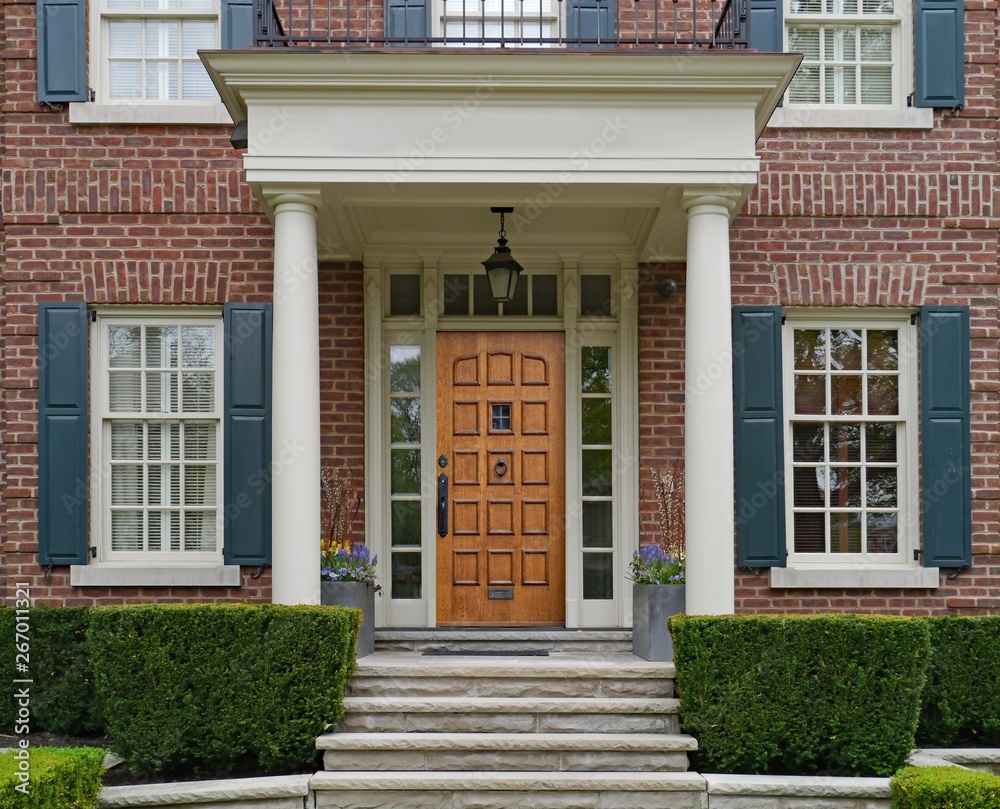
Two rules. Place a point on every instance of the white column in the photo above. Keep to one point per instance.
(708, 407)
(295, 442)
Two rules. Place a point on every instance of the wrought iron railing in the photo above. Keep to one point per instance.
(631, 24)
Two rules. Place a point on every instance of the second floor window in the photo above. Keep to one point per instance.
(150, 49)
(851, 52)
(474, 22)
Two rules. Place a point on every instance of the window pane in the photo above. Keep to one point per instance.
(845, 350)
(404, 369)
(163, 485)
(845, 486)
(804, 88)
(161, 81)
(806, 6)
(883, 395)
(125, 346)
(124, 392)
(841, 85)
(404, 418)
(164, 441)
(876, 85)
(597, 576)
(845, 532)
(596, 362)
(161, 38)
(404, 295)
(456, 295)
(810, 350)
(405, 575)
(126, 485)
(544, 295)
(810, 532)
(482, 296)
(199, 442)
(199, 485)
(126, 531)
(405, 522)
(882, 533)
(597, 531)
(880, 442)
(405, 471)
(595, 295)
(809, 482)
(596, 472)
(840, 43)
(883, 350)
(877, 6)
(199, 531)
(845, 442)
(881, 488)
(198, 35)
(199, 392)
(807, 442)
(124, 39)
(198, 347)
(125, 81)
(876, 44)
(596, 421)
(126, 441)
(845, 395)
(810, 395)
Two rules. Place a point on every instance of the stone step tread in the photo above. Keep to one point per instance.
(510, 781)
(511, 634)
(562, 666)
(541, 705)
(602, 742)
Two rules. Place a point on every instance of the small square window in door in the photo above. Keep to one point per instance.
(500, 418)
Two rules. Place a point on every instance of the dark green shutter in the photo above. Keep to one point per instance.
(62, 50)
(407, 22)
(759, 436)
(237, 24)
(766, 32)
(946, 493)
(62, 433)
(939, 53)
(247, 401)
(590, 21)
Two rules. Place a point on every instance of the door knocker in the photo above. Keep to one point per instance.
(500, 468)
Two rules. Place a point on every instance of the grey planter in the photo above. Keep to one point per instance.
(652, 605)
(360, 596)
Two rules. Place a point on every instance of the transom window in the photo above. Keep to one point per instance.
(849, 390)
(160, 410)
(851, 52)
(151, 49)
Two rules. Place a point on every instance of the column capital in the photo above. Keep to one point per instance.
(309, 197)
(726, 197)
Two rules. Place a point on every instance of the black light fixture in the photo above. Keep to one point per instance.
(501, 268)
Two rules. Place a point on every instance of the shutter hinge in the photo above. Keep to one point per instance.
(91, 95)
(917, 553)
(58, 106)
(92, 314)
(784, 317)
(93, 551)
(913, 319)
(48, 571)
(953, 113)
(957, 572)
(258, 574)
(911, 99)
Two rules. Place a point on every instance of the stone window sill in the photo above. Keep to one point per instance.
(802, 118)
(136, 576)
(855, 578)
(149, 114)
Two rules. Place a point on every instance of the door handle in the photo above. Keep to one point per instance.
(442, 505)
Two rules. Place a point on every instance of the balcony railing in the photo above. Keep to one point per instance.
(665, 24)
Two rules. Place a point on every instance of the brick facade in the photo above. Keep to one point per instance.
(161, 215)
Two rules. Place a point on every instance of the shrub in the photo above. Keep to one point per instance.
(836, 694)
(962, 698)
(62, 693)
(944, 788)
(59, 778)
(210, 688)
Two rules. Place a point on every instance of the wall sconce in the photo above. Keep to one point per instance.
(501, 268)
(667, 288)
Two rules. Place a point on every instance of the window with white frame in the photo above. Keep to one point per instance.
(476, 22)
(149, 49)
(850, 421)
(852, 52)
(159, 401)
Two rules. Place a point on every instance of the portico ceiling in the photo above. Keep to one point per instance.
(411, 148)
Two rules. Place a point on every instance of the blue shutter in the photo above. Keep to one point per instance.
(766, 32)
(62, 50)
(247, 441)
(237, 24)
(590, 21)
(759, 436)
(939, 53)
(407, 22)
(62, 433)
(946, 496)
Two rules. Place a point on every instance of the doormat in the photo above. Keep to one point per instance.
(488, 653)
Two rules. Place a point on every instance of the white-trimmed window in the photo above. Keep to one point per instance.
(850, 431)
(158, 401)
(148, 50)
(853, 52)
(471, 22)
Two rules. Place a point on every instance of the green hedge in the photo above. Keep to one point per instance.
(944, 788)
(57, 778)
(214, 688)
(962, 699)
(836, 694)
(62, 692)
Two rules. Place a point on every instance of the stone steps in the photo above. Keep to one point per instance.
(539, 752)
(600, 641)
(492, 790)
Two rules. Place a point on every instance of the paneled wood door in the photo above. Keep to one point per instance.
(501, 526)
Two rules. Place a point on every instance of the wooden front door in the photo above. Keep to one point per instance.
(501, 523)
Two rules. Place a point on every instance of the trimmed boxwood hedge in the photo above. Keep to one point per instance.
(212, 688)
(836, 694)
(58, 778)
(961, 705)
(944, 788)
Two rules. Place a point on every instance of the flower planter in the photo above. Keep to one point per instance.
(360, 596)
(652, 605)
